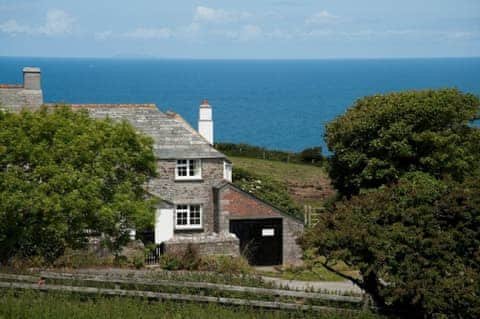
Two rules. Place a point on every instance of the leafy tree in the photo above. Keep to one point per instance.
(382, 137)
(312, 155)
(63, 173)
(416, 244)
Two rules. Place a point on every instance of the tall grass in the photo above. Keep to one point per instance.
(30, 304)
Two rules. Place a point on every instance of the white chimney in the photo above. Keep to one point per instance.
(205, 122)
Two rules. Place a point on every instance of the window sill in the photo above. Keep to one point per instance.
(188, 179)
(188, 227)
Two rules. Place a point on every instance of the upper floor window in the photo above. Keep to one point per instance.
(188, 217)
(188, 169)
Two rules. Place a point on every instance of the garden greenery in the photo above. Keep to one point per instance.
(407, 165)
(64, 175)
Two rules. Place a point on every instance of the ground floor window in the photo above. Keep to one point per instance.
(188, 216)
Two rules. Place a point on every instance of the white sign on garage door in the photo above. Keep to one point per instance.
(268, 232)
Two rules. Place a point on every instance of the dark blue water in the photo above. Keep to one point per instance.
(277, 104)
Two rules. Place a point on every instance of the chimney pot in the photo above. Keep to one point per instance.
(31, 78)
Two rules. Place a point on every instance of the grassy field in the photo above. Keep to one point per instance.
(39, 305)
(307, 184)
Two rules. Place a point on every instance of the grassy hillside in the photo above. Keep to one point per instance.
(306, 184)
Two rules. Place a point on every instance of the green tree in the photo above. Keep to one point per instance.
(416, 244)
(63, 174)
(382, 137)
(312, 155)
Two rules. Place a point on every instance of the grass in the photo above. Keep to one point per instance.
(281, 171)
(30, 304)
(312, 270)
(306, 184)
(317, 273)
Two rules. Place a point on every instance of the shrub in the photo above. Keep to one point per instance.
(311, 155)
(382, 137)
(416, 244)
(81, 258)
(225, 264)
(120, 261)
(190, 260)
(170, 261)
(138, 262)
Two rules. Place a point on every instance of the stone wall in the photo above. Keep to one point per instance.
(191, 191)
(14, 98)
(212, 244)
(292, 252)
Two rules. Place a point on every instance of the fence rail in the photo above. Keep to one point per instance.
(171, 296)
(203, 285)
(19, 283)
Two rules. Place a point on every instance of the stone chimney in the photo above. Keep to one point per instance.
(31, 78)
(205, 121)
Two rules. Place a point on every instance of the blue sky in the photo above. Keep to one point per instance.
(248, 29)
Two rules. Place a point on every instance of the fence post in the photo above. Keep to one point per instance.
(305, 221)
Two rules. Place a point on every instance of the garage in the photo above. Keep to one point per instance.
(260, 240)
(266, 235)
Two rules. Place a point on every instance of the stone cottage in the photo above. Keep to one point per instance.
(200, 205)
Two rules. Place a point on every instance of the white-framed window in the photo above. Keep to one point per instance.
(188, 169)
(188, 216)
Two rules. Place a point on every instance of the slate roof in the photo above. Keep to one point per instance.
(173, 137)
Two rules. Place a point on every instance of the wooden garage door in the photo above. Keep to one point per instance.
(260, 240)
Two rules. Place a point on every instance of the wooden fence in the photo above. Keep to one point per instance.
(312, 214)
(19, 283)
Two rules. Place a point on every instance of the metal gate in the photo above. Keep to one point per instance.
(260, 240)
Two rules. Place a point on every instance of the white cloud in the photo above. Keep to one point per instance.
(321, 17)
(103, 35)
(57, 22)
(245, 33)
(150, 33)
(462, 35)
(12, 27)
(211, 15)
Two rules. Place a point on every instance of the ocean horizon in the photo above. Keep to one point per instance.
(278, 104)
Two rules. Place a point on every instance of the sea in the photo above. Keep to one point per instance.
(277, 104)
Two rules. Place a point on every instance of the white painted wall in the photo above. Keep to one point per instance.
(205, 112)
(163, 225)
(205, 128)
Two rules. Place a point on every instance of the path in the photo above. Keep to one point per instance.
(331, 286)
